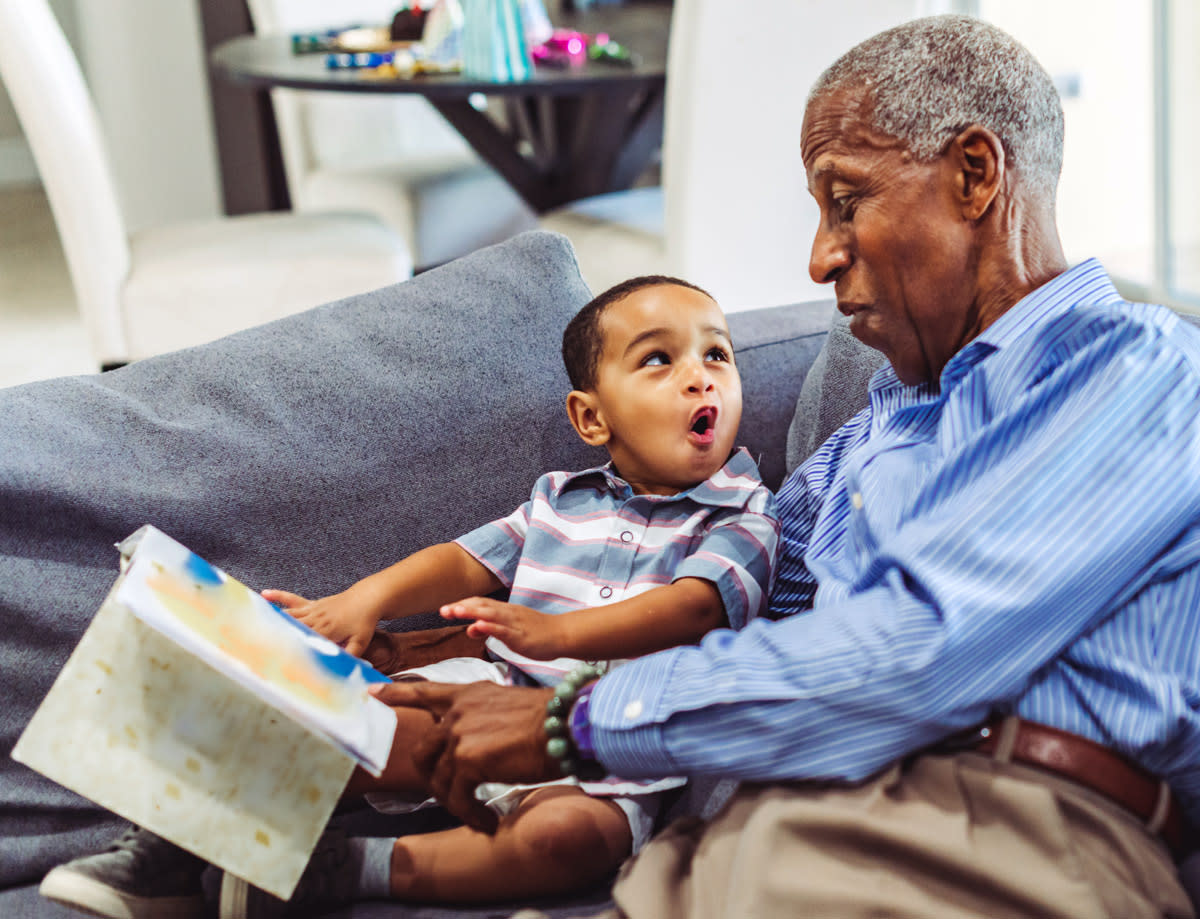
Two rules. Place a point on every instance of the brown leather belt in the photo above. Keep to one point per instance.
(1085, 763)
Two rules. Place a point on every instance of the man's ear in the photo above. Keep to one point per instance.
(584, 411)
(981, 166)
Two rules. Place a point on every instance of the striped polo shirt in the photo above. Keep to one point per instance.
(584, 539)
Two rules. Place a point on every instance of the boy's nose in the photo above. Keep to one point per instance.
(698, 378)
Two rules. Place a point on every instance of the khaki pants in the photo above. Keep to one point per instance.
(952, 835)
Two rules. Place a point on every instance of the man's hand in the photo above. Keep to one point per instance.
(537, 635)
(340, 617)
(483, 733)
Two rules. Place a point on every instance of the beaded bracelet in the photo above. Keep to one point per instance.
(560, 745)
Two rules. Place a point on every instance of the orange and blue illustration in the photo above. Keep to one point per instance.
(237, 631)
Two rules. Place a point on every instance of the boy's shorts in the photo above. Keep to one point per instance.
(639, 801)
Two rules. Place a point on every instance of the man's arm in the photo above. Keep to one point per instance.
(1027, 535)
(391, 652)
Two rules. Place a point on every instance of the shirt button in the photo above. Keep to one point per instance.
(633, 709)
(857, 501)
(605, 592)
(626, 536)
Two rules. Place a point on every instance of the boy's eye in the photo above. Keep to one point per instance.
(657, 359)
(716, 354)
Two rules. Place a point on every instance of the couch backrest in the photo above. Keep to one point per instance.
(303, 454)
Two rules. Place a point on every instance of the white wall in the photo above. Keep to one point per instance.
(144, 62)
(1106, 195)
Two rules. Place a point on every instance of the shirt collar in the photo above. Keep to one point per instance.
(1086, 282)
(727, 487)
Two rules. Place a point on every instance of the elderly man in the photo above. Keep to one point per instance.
(982, 696)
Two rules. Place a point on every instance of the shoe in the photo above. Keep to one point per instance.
(330, 879)
(139, 876)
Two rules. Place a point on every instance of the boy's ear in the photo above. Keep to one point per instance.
(584, 412)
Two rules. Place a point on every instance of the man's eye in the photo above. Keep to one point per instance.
(657, 359)
(717, 354)
(844, 205)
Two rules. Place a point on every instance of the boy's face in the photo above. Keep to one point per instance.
(668, 398)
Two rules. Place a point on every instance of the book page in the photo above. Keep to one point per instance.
(235, 630)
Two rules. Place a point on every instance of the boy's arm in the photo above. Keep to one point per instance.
(423, 581)
(680, 613)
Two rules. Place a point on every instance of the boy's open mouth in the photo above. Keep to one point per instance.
(702, 428)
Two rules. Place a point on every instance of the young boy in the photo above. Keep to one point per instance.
(673, 537)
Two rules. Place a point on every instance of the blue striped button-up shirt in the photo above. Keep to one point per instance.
(1021, 536)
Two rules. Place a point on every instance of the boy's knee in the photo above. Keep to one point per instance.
(573, 833)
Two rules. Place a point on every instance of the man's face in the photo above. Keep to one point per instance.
(892, 239)
(667, 388)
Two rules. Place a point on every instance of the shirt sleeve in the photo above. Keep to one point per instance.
(737, 555)
(1069, 500)
(498, 545)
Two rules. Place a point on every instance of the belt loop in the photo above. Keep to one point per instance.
(1162, 806)
(1006, 739)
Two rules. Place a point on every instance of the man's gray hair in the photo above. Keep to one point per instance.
(930, 78)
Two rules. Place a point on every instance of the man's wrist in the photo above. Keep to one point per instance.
(563, 717)
(580, 725)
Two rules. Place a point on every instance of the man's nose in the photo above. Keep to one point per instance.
(830, 256)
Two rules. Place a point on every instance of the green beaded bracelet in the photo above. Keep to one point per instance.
(559, 745)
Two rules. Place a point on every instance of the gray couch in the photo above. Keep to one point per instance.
(308, 453)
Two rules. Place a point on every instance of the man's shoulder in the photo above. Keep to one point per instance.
(1128, 324)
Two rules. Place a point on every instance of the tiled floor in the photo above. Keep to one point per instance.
(40, 332)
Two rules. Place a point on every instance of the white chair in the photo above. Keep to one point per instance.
(732, 213)
(173, 286)
(394, 156)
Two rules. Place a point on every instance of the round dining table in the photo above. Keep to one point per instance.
(567, 132)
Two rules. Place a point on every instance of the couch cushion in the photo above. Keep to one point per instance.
(833, 392)
(302, 454)
(775, 347)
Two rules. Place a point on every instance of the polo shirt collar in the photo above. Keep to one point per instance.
(727, 487)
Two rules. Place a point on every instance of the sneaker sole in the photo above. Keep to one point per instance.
(234, 892)
(91, 896)
(242, 900)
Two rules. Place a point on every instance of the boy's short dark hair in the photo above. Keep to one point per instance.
(583, 341)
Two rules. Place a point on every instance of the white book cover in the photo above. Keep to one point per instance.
(194, 708)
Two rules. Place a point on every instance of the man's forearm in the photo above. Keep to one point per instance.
(390, 652)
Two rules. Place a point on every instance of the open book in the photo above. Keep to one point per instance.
(195, 708)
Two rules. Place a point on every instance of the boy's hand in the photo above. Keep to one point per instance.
(338, 618)
(537, 635)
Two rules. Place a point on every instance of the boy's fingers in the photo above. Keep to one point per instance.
(283, 598)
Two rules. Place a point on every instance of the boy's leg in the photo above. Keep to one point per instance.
(558, 840)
